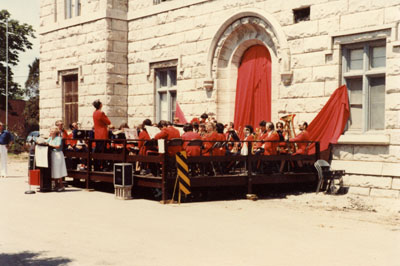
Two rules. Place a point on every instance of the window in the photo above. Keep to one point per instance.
(70, 99)
(72, 8)
(301, 14)
(156, 2)
(165, 93)
(364, 75)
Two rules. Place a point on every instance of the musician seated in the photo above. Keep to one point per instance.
(233, 145)
(262, 134)
(143, 137)
(211, 135)
(168, 132)
(303, 136)
(219, 147)
(118, 135)
(79, 136)
(203, 118)
(70, 142)
(270, 146)
(187, 137)
(248, 136)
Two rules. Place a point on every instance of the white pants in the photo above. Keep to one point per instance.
(3, 159)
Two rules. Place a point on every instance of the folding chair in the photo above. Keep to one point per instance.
(325, 174)
(194, 167)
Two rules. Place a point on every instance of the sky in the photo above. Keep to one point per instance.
(25, 11)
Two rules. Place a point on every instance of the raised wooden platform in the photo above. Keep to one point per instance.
(204, 171)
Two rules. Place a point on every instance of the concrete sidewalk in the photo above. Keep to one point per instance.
(78, 227)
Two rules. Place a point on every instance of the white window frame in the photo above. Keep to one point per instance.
(170, 90)
(157, 2)
(72, 8)
(365, 74)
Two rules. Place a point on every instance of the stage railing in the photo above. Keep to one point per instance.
(159, 171)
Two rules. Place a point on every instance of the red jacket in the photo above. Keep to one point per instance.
(143, 135)
(169, 133)
(101, 122)
(191, 150)
(301, 147)
(70, 140)
(270, 148)
(262, 136)
(220, 151)
(208, 145)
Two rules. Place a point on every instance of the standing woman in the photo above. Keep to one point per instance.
(58, 168)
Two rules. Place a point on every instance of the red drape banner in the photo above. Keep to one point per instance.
(179, 114)
(330, 122)
(253, 89)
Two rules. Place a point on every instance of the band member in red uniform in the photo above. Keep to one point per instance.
(282, 136)
(143, 136)
(261, 136)
(270, 148)
(187, 137)
(100, 121)
(220, 151)
(168, 132)
(204, 118)
(302, 136)
(248, 136)
(211, 135)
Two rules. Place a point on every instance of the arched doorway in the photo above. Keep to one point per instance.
(253, 89)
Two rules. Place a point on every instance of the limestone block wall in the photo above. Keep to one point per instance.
(96, 50)
(115, 45)
(186, 31)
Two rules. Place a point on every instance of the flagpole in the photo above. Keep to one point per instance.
(6, 73)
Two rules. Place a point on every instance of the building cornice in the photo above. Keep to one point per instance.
(107, 14)
(163, 7)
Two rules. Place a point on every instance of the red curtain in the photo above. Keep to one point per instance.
(330, 122)
(253, 89)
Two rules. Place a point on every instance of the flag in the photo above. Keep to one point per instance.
(179, 114)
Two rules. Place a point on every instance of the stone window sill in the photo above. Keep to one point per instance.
(365, 139)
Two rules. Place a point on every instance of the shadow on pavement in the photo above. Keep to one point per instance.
(30, 258)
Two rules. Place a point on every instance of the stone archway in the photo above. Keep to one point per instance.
(235, 36)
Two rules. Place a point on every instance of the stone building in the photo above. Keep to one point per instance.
(140, 56)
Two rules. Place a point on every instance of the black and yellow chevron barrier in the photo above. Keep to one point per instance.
(183, 172)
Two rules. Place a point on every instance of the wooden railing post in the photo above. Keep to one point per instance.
(164, 173)
(124, 151)
(249, 167)
(317, 151)
(89, 163)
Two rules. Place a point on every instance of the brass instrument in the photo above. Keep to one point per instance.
(289, 129)
(235, 148)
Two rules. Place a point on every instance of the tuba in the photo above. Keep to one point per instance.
(289, 129)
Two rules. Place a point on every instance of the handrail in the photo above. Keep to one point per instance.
(166, 162)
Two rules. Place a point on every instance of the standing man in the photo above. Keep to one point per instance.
(63, 132)
(100, 121)
(6, 140)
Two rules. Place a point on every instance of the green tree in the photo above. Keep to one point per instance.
(31, 112)
(18, 41)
